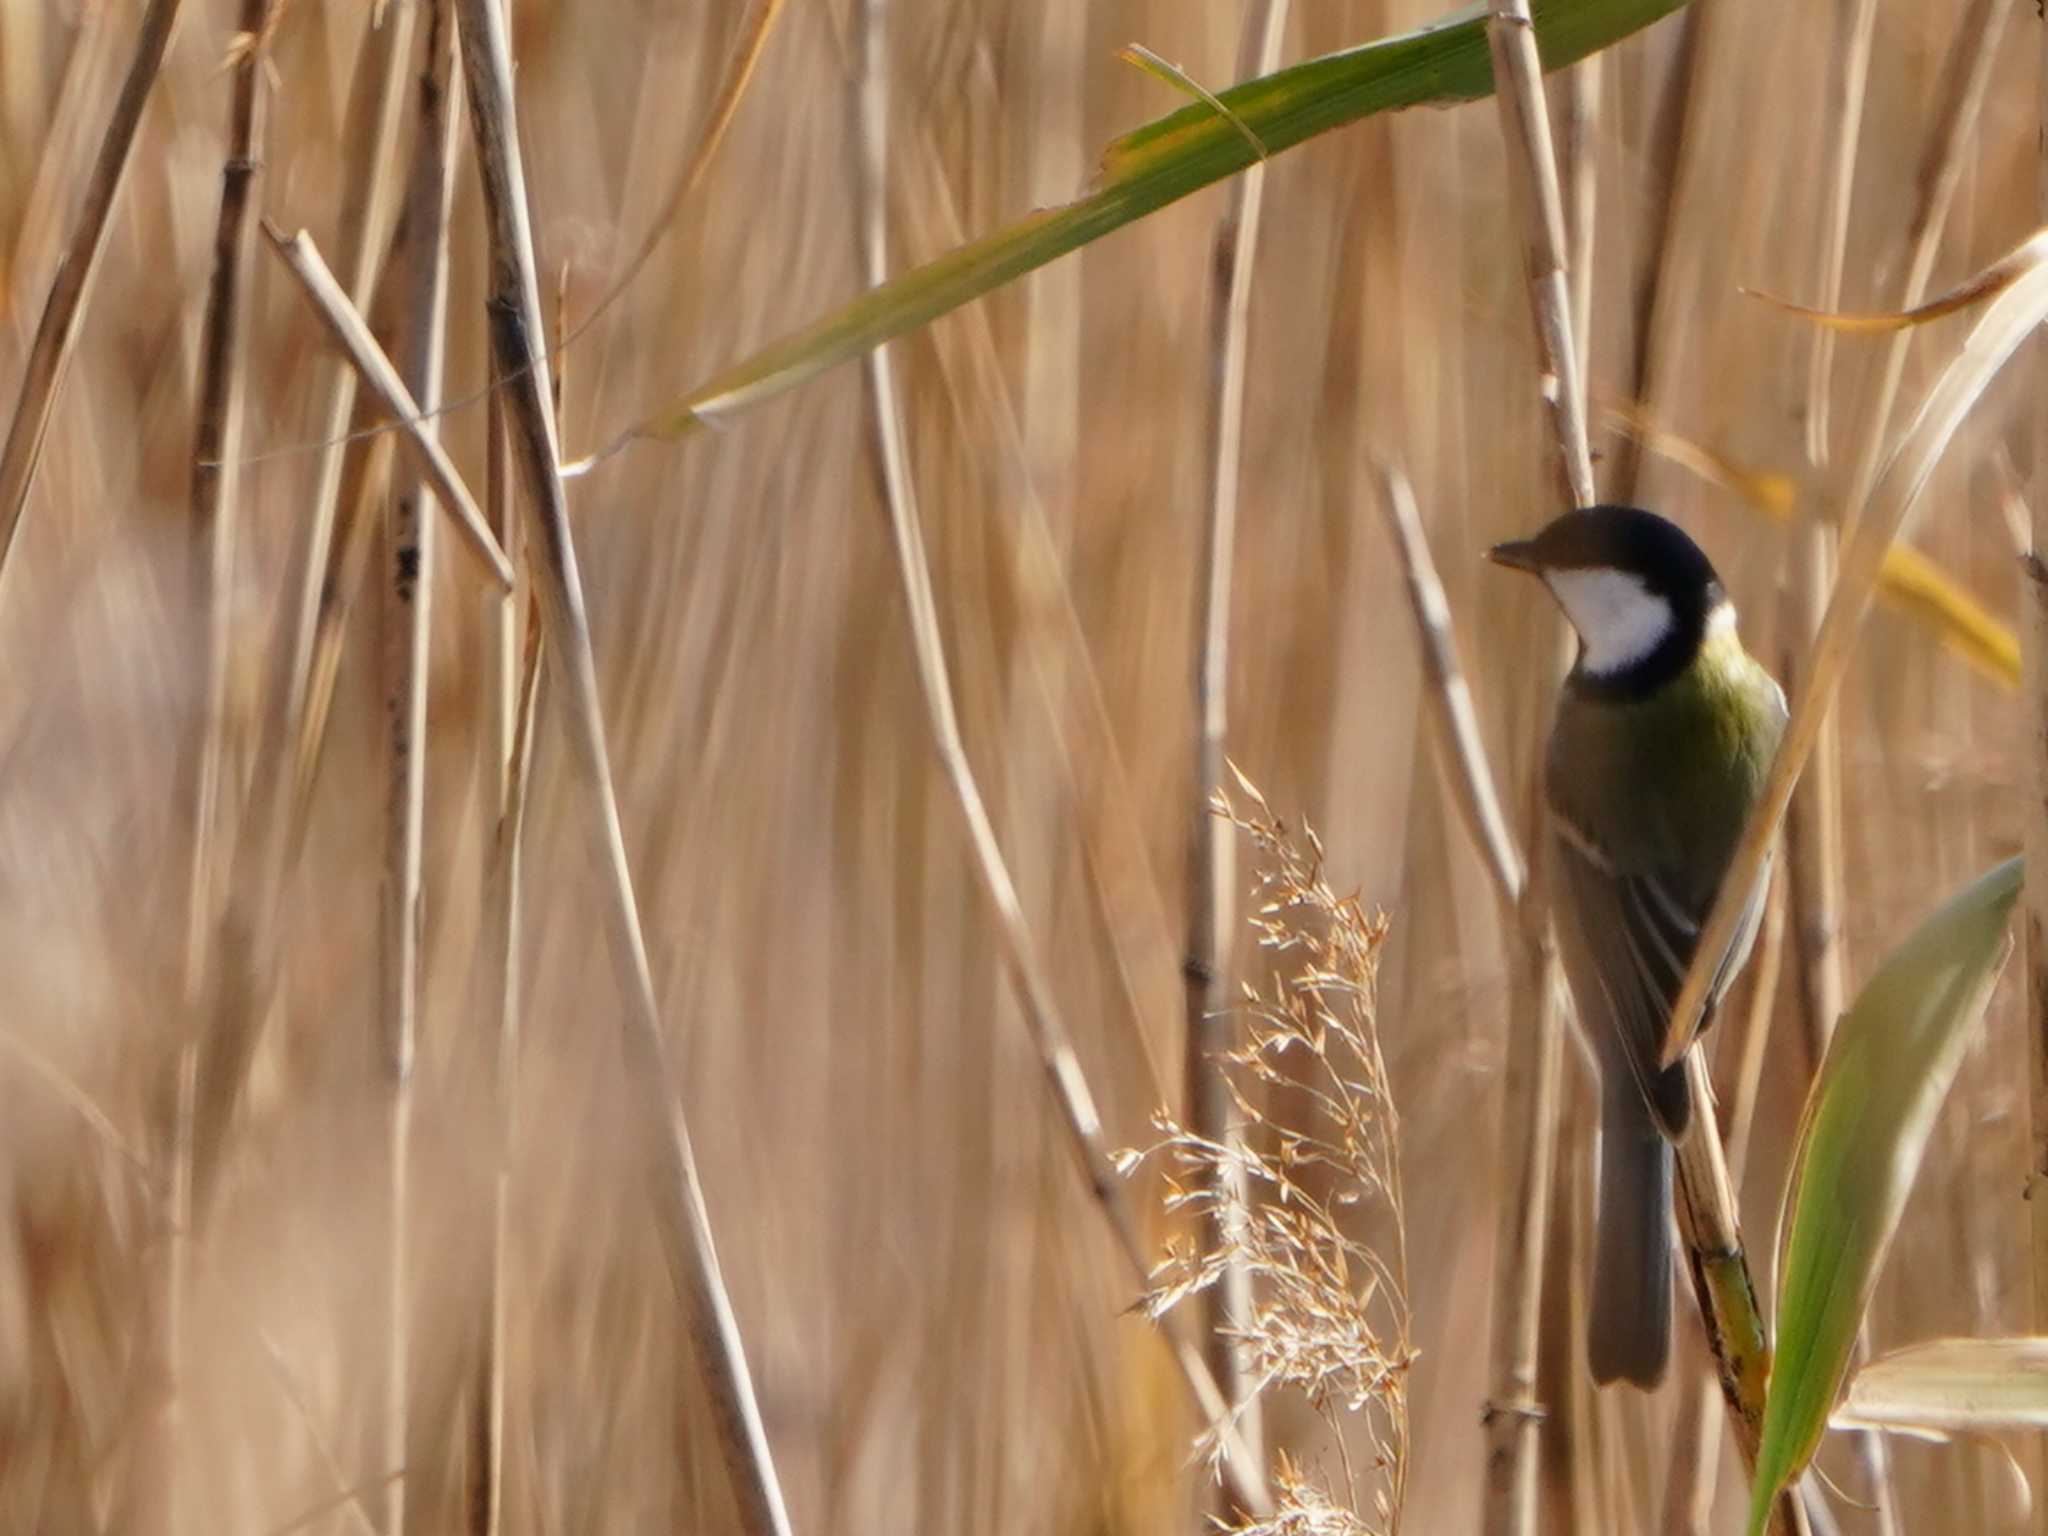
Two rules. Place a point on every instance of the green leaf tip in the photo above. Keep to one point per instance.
(1866, 1123)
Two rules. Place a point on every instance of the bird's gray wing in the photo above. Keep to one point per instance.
(1635, 937)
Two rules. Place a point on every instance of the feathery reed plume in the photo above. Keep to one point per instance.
(1330, 1317)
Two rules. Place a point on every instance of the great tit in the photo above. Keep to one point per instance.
(1663, 736)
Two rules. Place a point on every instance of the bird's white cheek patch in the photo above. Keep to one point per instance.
(1620, 621)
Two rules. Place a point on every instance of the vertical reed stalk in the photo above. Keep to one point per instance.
(407, 626)
(1028, 977)
(216, 477)
(1212, 871)
(508, 751)
(2034, 631)
(1532, 1072)
(681, 1220)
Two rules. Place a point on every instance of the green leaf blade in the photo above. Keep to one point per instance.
(1866, 1124)
(1443, 63)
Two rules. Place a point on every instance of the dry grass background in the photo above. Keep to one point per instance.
(933, 1309)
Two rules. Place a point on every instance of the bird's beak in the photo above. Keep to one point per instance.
(1516, 554)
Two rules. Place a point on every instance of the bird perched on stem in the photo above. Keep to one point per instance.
(1663, 736)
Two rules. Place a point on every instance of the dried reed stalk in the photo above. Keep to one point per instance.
(1212, 873)
(2034, 632)
(1695, 1438)
(369, 194)
(216, 476)
(1127, 892)
(1532, 1072)
(1460, 750)
(1850, 79)
(508, 748)
(406, 622)
(1966, 75)
(681, 1220)
(50, 353)
(157, 1491)
(1672, 134)
(1028, 978)
(415, 434)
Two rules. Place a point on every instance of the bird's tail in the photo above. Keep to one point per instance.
(1630, 1324)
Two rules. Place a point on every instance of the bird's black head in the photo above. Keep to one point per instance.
(1638, 591)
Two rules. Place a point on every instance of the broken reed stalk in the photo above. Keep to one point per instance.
(406, 623)
(681, 1220)
(1028, 979)
(346, 325)
(1226, 1307)
(50, 354)
(1532, 1070)
(375, 101)
(241, 983)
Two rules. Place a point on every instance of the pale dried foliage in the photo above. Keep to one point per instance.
(1314, 1212)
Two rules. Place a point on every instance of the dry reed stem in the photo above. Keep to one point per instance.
(1966, 76)
(1582, 201)
(1459, 746)
(1532, 173)
(50, 353)
(2034, 632)
(213, 514)
(682, 1222)
(1532, 1073)
(375, 102)
(1696, 1440)
(1850, 77)
(1212, 872)
(508, 747)
(348, 328)
(216, 477)
(1127, 892)
(1672, 134)
(748, 44)
(406, 622)
(1068, 1084)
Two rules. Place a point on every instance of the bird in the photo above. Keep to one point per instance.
(1663, 736)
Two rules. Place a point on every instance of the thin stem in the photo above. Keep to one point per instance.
(1532, 1074)
(1212, 873)
(375, 103)
(415, 431)
(681, 1219)
(1028, 978)
(407, 625)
